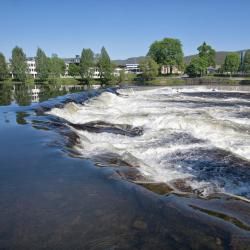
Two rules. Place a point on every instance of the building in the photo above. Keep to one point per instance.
(31, 63)
(133, 68)
(68, 61)
(165, 70)
(213, 70)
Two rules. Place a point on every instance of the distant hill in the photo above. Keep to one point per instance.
(219, 58)
(129, 60)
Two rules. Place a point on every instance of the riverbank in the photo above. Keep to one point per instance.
(172, 81)
(134, 80)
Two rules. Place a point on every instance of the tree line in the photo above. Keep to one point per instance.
(51, 68)
(166, 52)
(89, 62)
(46, 67)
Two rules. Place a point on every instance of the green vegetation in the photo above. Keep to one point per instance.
(74, 70)
(232, 63)
(56, 68)
(197, 67)
(207, 53)
(149, 68)
(122, 76)
(18, 64)
(246, 62)
(3, 68)
(164, 57)
(167, 52)
(86, 65)
(105, 67)
(42, 65)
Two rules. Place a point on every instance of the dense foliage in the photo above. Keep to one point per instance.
(167, 52)
(18, 64)
(74, 70)
(42, 65)
(87, 65)
(149, 68)
(56, 68)
(197, 67)
(232, 63)
(105, 67)
(207, 53)
(246, 62)
(3, 68)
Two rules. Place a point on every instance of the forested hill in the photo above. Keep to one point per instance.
(219, 58)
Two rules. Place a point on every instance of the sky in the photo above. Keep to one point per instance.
(125, 27)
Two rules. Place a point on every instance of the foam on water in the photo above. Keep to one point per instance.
(171, 127)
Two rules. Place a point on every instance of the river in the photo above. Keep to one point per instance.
(125, 168)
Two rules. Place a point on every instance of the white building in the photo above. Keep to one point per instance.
(31, 63)
(165, 70)
(133, 68)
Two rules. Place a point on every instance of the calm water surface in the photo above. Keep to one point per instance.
(155, 168)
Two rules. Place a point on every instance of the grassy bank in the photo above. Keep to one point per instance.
(157, 81)
(208, 80)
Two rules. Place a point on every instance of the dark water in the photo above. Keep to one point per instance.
(52, 198)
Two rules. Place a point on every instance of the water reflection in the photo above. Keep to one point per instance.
(24, 95)
(5, 94)
(20, 118)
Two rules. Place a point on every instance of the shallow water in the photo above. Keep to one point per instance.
(154, 168)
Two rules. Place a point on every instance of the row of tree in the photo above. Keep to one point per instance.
(89, 62)
(166, 52)
(50, 68)
(46, 67)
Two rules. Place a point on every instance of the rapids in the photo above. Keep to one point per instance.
(197, 136)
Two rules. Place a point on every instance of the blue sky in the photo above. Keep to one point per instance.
(125, 28)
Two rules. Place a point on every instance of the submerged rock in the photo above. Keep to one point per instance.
(100, 127)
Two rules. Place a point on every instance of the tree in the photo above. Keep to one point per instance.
(149, 68)
(246, 62)
(105, 67)
(3, 68)
(207, 53)
(167, 52)
(232, 63)
(197, 67)
(122, 76)
(87, 65)
(18, 64)
(42, 65)
(56, 67)
(74, 70)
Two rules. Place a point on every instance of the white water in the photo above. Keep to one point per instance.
(174, 122)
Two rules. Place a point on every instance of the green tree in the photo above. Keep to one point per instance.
(232, 63)
(149, 68)
(74, 70)
(56, 68)
(42, 65)
(207, 53)
(167, 52)
(3, 68)
(246, 62)
(87, 65)
(122, 76)
(105, 67)
(197, 67)
(18, 64)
